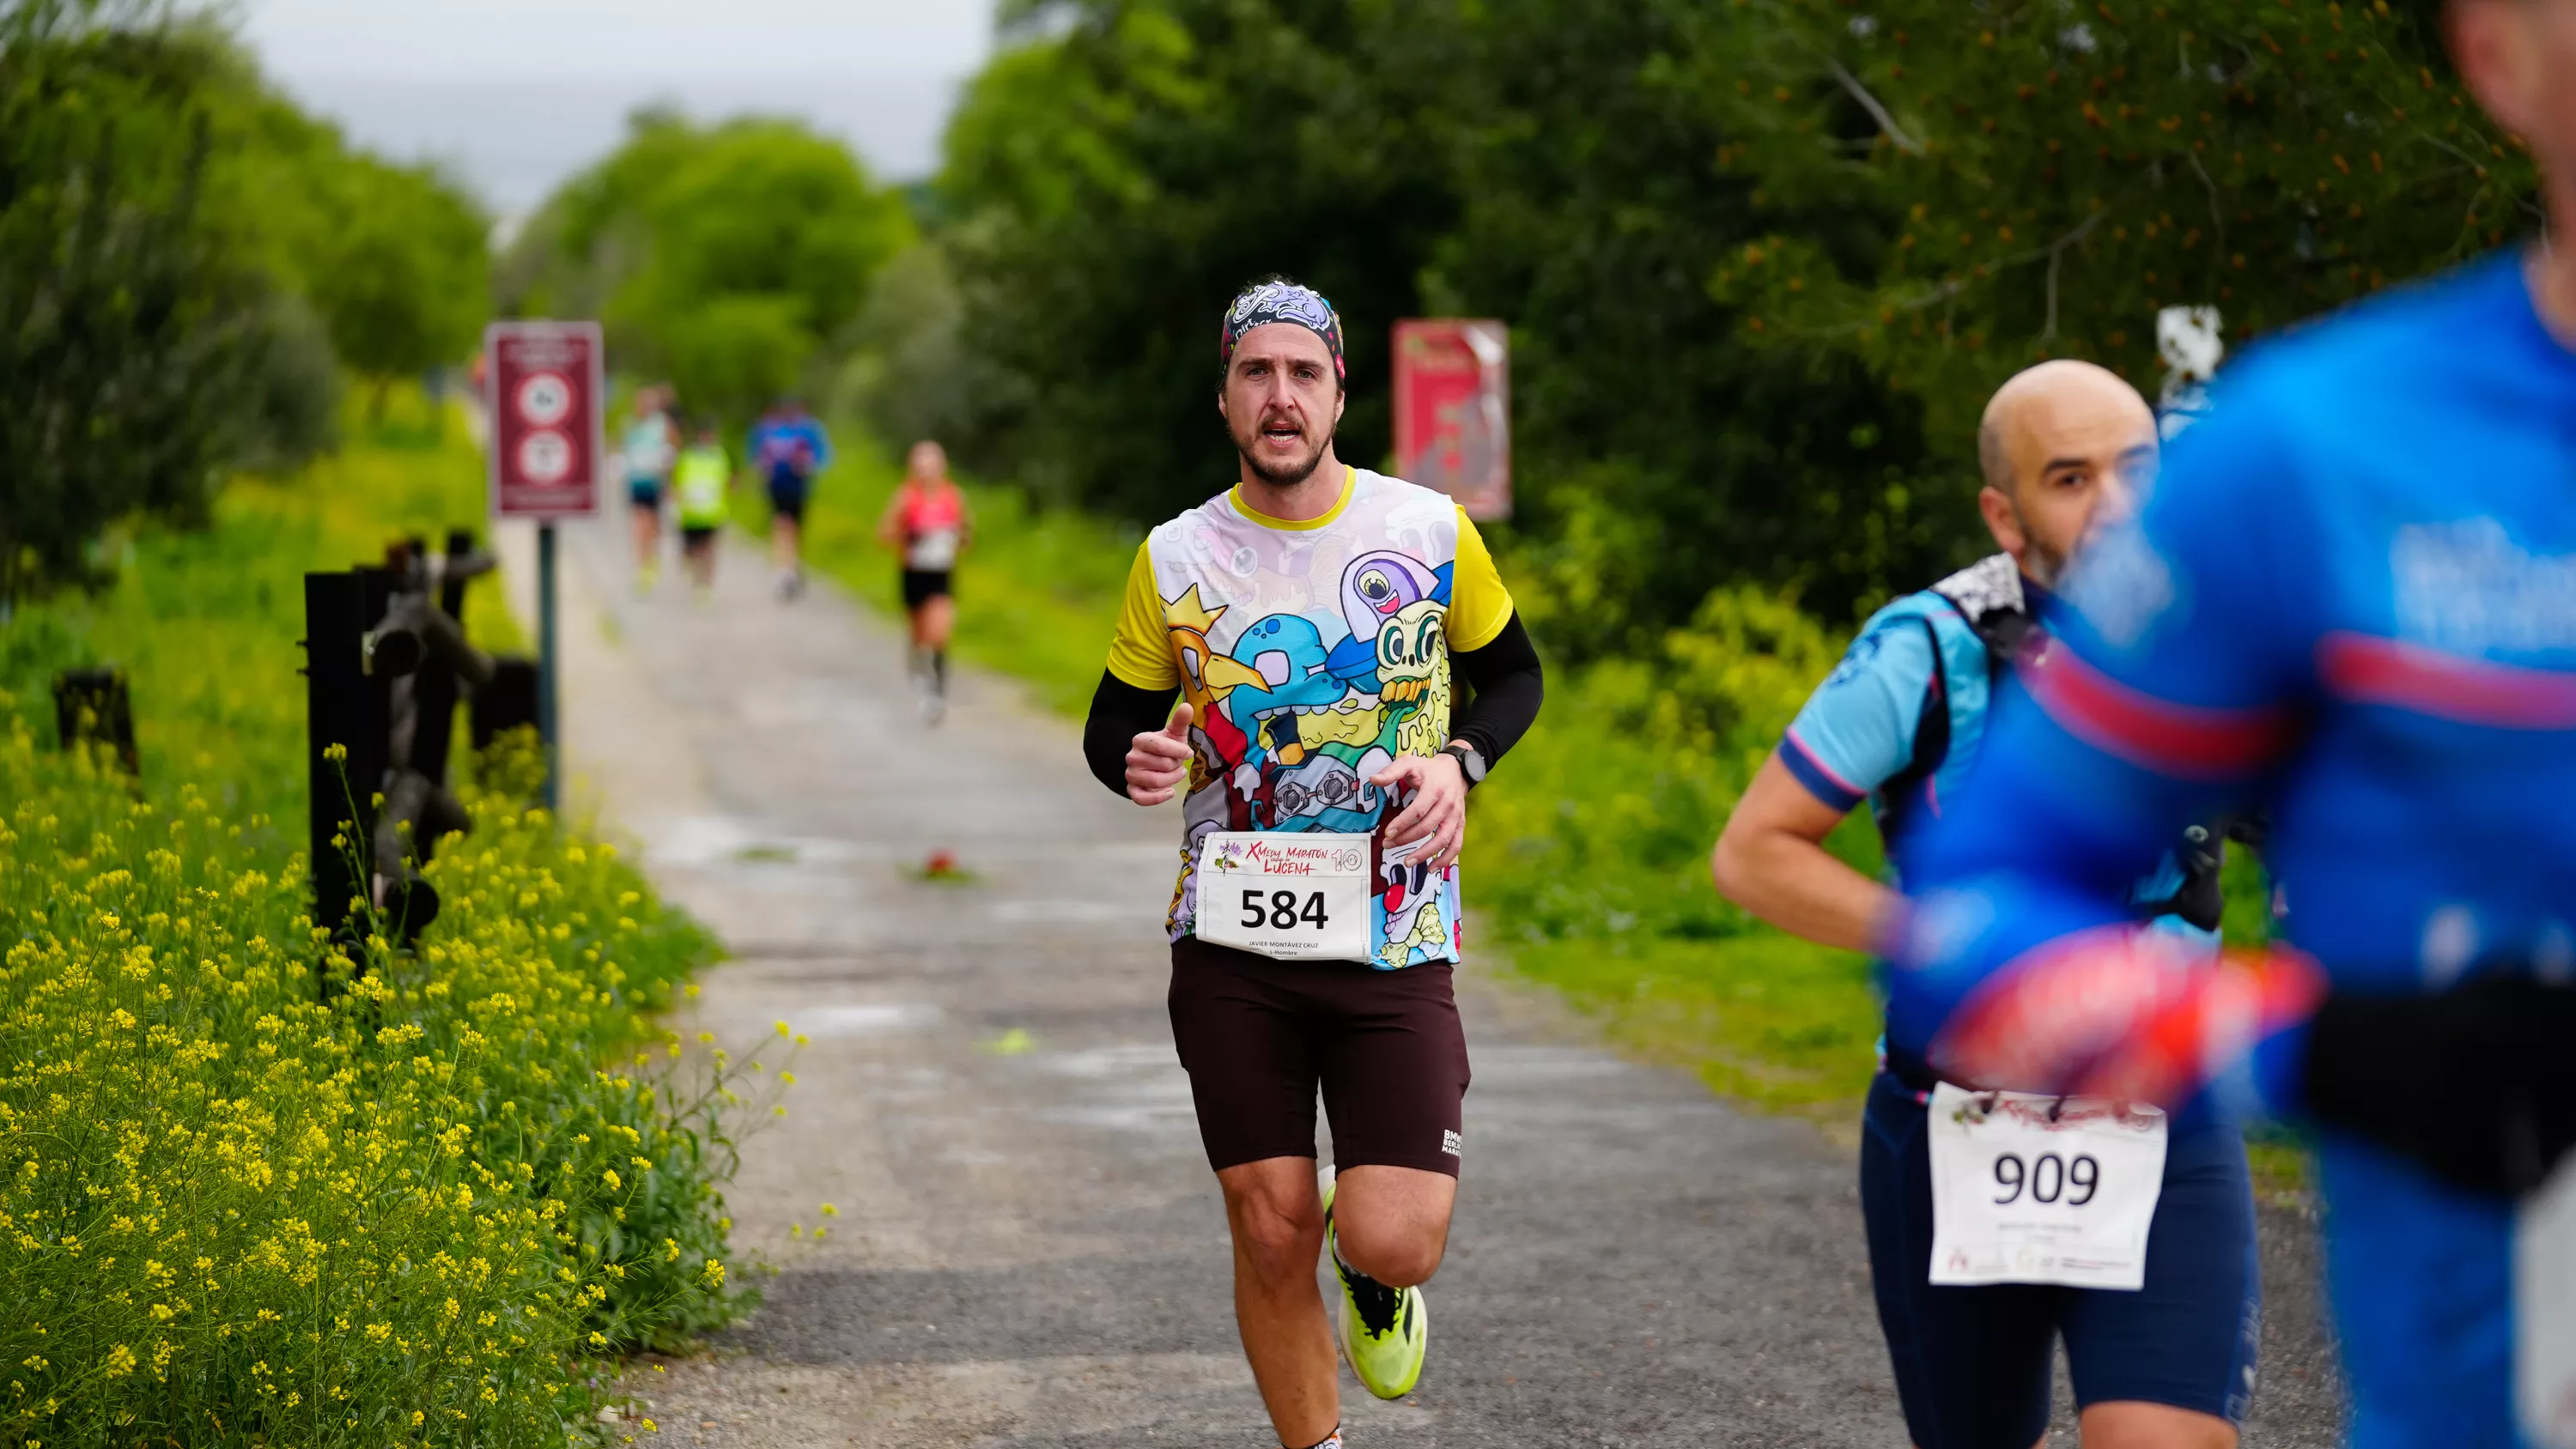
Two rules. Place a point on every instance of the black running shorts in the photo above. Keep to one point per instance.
(787, 495)
(920, 586)
(1258, 1036)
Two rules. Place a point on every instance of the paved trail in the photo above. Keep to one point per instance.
(1030, 1250)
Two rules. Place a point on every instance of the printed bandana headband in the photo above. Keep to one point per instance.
(1259, 306)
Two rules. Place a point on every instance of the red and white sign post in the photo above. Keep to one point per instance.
(1453, 411)
(545, 393)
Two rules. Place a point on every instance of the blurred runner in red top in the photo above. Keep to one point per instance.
(926, 522)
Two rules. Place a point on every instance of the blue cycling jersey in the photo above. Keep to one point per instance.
(789, 448)
(2351, 601)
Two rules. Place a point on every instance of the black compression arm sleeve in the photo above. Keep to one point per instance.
(1119, 713)
(1508, 686)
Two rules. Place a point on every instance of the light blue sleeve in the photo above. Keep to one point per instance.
(1856, 731)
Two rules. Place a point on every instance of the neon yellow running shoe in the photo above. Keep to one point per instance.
(1385, 1332)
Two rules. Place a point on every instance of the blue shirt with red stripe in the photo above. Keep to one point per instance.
(2350, 602)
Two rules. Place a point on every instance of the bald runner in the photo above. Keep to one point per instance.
(2160, 1334)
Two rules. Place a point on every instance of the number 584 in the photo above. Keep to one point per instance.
(1281, 912)
(2048, 1178)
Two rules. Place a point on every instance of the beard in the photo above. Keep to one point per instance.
(1283, 474)
(2044, 564)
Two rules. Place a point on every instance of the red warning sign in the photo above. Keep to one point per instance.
(542, 390)
(1453, 411)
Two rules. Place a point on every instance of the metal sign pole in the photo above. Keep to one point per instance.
(546, 388)
(546, 660)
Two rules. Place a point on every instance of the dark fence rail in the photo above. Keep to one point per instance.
(386, 664)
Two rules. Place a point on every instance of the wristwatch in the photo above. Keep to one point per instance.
(1469, 762)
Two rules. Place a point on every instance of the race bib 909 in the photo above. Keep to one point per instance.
(2037, 1189)
(1297, 896)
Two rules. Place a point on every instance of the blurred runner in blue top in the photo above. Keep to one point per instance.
(1902, 722)
(788, 447)
(2353, 598)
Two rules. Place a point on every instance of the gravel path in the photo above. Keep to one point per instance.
(1030, 1250)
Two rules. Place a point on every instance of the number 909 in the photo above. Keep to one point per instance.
(2048, 1178)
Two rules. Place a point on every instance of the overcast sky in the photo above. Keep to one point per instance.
(522, 93)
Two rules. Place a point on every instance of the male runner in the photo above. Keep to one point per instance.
(926, 522)
(2352, 596)
(1900, 721)
(788, 447)
(649, 444)
(1309, 618)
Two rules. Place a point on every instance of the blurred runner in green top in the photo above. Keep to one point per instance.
(704, 472)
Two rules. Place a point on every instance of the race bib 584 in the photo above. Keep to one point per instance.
(1298, 896)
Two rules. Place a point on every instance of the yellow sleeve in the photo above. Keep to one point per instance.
(1141, 653)
(1479, 605)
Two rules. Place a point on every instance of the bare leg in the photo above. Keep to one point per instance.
(783, 548)
(2130, 1425)
(648, 538)
(1393, 1222)
(1278, 1224)
(932, 622)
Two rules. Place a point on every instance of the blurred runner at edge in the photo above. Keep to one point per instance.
(788, 447)
(649, 444)
(2352, 597)
(926, 522)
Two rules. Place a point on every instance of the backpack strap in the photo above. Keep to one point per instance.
(2003, 631)
(1896, 797)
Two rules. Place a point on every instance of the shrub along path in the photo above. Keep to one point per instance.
(1028, 1249)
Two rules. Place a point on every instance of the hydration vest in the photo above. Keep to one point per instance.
(1988, 597)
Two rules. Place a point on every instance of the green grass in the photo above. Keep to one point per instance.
(1587, 863)
(205, 623)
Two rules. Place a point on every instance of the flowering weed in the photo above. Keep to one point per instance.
(238, 1208)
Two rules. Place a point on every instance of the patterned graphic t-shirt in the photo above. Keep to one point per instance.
(1312, 654)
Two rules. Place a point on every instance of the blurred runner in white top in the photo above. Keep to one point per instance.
(650, 444)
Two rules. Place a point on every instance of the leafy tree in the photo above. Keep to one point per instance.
(2047, 176)
(1657, 454)
(1763, 261)
(393, 261)
(1544, 161)
(134, 322)
(729, 258)
(399, 270)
